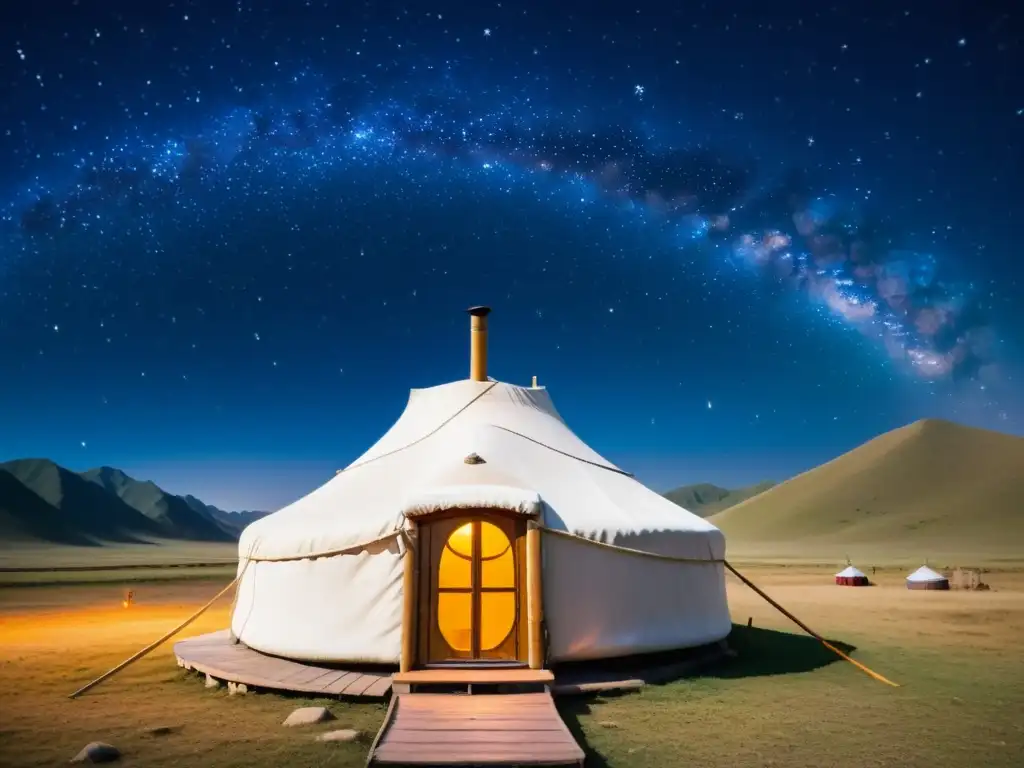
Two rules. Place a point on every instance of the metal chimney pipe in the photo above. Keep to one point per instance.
(478, 342)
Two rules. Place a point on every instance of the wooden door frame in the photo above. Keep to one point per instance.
(417, 598)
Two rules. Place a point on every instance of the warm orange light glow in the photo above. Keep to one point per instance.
(461, 540)
(497, 617)
(457, 588)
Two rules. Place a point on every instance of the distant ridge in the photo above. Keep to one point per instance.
(705, 499)
(40, 501)
(929, 486)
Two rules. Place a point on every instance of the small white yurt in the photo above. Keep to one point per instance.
(852, 577)
(925, 578)
(479, 529)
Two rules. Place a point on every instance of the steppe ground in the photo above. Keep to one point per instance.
(783, 701)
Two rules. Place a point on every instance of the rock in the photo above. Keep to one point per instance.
(97, 752)
(162, 730)
(608, 724)
(345, 734)
(212, 682)
(234, 688)
(308, 716)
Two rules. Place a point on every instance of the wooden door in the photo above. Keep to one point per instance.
(471, 574)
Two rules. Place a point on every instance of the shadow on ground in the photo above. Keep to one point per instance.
(758, 653)
(761, 652)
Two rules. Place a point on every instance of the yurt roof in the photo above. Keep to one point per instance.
(850, 573)
(531, 462)
(924, 573)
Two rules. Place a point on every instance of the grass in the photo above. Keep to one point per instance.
(40, 557)
(784, 700)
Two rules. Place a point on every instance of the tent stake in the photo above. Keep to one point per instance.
(808, 630)
(151, 646)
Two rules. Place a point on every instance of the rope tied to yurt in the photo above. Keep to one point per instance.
(155, 644)
(418, 440)
(808, 630)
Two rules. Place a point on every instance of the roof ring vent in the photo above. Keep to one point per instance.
(474, 458)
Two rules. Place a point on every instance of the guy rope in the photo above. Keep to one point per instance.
(111, 672)
(808, 630)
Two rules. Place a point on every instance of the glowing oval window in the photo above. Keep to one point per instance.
(455, 570)
(455, 573)
(455, 619)
(498, 568)
(497, 571)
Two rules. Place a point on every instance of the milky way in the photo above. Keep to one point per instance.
(717, 208)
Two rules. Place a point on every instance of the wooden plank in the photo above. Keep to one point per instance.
(478, 754)
(219, 658)
(379, 688)
(359, 685)
(410, 736)
(508, 724)
(325, 682)
(341, 683)
(440, 729)
(598, 687)
(298, 674)
(485, 676)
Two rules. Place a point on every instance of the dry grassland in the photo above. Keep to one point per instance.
(784, 701)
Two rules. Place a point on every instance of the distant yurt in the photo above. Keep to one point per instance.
(851, 577)
(479, 529)
(925, 578)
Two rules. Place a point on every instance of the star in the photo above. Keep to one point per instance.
(487, 32)
(638, 90)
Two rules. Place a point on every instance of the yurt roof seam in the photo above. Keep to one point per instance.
(424, 437)
(543, 528)
(564, 453)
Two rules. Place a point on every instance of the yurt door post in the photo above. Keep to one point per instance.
(534, 597)
(409, 579)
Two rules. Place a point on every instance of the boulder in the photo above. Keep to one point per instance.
(308, 716)
(97, 752)
(343, 735)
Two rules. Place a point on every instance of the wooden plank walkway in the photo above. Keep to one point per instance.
(403, 682)
(499, 729)
(214, 654)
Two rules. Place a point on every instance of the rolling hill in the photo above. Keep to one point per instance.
(44, 503)
(929, 489)
(705, 499)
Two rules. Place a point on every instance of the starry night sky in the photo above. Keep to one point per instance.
(734, 239)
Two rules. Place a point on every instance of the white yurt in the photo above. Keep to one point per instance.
(479, 529)
(925, 578)
(852, 577)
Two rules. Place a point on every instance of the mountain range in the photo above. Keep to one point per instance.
(705, 499)
(41, 501)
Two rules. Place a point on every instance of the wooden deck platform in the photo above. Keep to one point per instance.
(215, 655)
(499, 729)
